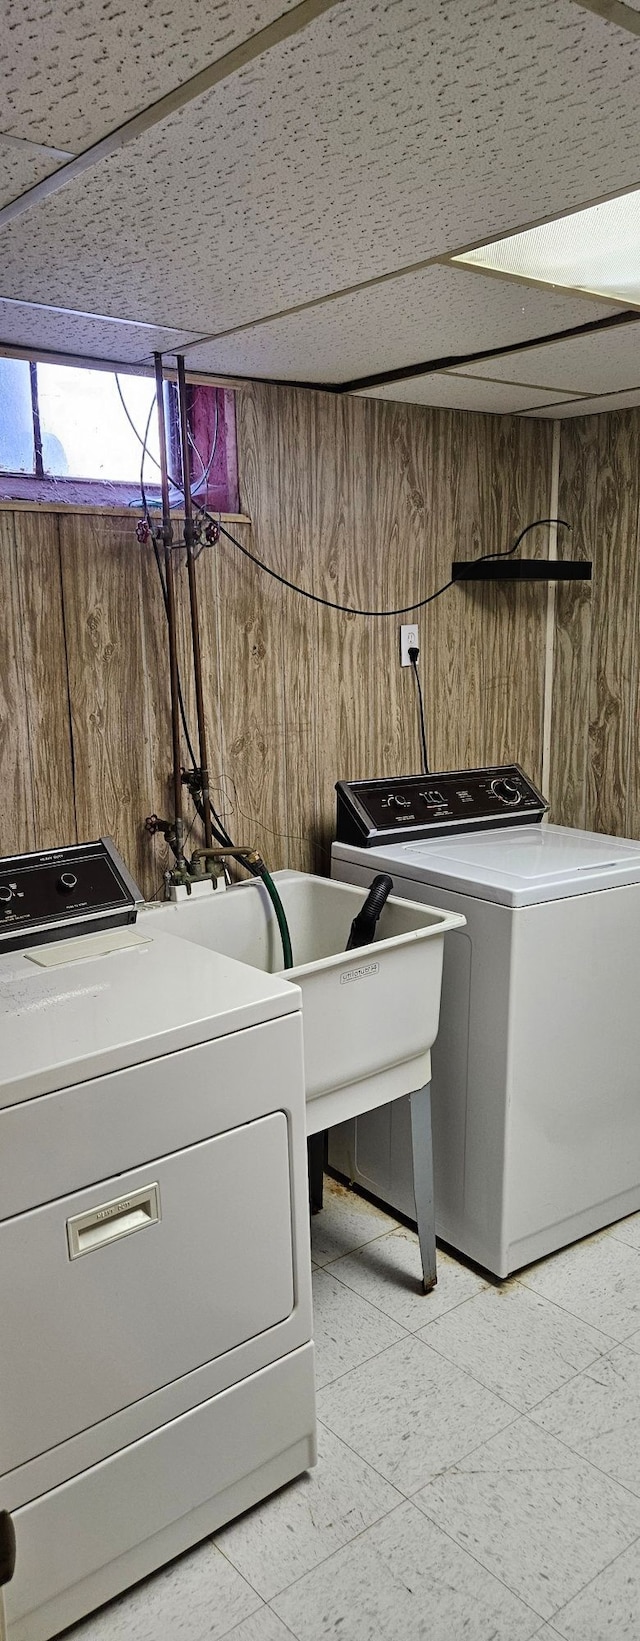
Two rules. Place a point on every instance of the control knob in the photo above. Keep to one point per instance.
(506, 790)
(6, 894)
(67, 882)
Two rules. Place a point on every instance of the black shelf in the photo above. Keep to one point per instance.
(522, 569)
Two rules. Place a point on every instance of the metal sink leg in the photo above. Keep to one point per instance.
(422, 1149)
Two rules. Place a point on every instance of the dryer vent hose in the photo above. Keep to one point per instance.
(363, 928)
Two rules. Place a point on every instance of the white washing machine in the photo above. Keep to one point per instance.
(156, 1364)
(536, 1067)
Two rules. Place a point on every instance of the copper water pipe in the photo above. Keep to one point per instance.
(193, 601)
(167, 537)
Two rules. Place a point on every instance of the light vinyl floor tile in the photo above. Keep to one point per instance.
(346, 1330)
(410, 1413)
(597, 1281)
(627, 1230)
(289, 1533)
(598, 1415)
(388, 1273)
(346, 1221)
(535, 1514)
(516, 1342)
(399, 1582)
(608, 1609)
(196, 1597)
(262, 1626)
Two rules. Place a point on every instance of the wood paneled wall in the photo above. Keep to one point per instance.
(595, 749)
(367, 503)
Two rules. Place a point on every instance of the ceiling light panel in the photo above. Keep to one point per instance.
(462, 393)
(600, 362)
(594, 407)
(47, 330)
(380, 136)
(437, 313)
(595, 250)
(73, 73)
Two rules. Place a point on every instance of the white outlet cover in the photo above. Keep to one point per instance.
(409, 640)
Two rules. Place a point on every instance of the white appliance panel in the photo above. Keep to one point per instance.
(536, 1069)
(156, 1362)
(79, 1135)
(83, 1540)
(140, 1309)
(102, 1013)
(522, 866)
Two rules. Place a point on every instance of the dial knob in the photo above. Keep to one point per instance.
(506, 790)
(6, 894)
(67, 882)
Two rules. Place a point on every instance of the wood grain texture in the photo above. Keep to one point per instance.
(614, 621)
(39, 587)
(17, 821)
(365, 503)
(595, 746)
(114, 626)
(569, 763)
(368, 502)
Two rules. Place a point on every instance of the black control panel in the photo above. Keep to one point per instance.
(51, 893)
(421, 806)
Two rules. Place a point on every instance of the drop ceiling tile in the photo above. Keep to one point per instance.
(453, 392)
(379, 136)
(595, 407)
(603, 362)
(20, 169)
(434, 314)
(46, 330)
(73, 73)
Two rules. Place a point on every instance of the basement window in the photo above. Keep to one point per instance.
(77, 436)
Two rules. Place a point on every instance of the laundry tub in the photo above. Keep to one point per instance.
(370, 1016)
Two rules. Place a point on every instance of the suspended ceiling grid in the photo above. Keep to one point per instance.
(435, 309)
(81, 334)
(466, 393)
(73, 72)
(379, 136)
(602, 368)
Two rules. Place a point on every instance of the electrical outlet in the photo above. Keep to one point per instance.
(409, 640)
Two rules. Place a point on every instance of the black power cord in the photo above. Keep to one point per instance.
(348, 609)
(413, 657)
(315, 598)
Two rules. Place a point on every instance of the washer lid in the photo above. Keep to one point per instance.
(65, 1023)
(521, 866)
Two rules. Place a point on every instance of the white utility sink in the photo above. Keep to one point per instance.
(370, 1016)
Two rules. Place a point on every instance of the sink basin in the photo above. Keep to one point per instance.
(370, 1016)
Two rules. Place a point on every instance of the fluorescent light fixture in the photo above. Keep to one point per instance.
(596, 250)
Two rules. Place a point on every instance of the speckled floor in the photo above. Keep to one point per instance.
(479, 1472)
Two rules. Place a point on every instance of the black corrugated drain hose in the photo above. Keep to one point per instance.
(363, 928)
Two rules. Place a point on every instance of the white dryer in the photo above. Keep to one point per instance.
(536, 1068)
(156, 1364)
